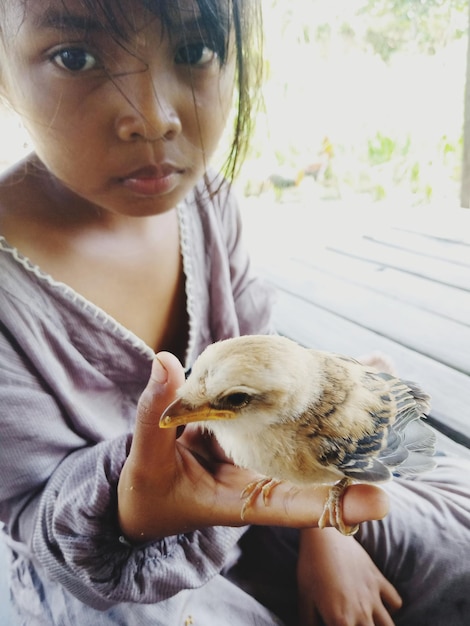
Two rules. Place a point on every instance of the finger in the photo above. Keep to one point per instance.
(288, 505)
(151, 445)
(364, 502)
(382, 617)
(391, 598)
(205, 444)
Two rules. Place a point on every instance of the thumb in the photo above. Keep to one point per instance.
(151, 444)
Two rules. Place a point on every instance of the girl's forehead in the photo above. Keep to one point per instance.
(119, 14)
(109, 8)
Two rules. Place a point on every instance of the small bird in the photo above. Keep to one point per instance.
(306, 416)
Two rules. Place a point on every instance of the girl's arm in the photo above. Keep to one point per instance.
(340, 584)
(65, 505)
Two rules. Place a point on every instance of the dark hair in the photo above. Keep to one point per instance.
(219, 18)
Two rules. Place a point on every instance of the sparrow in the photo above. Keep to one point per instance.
(305, 416)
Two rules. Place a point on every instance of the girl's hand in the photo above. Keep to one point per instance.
(339, 583)
(170, 486)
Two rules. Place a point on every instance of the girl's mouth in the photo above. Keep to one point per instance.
(152, 180)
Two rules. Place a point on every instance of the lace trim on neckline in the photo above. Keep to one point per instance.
(187, 256)
(99, 314)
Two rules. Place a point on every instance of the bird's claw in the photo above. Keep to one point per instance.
(251, 492)
(333, 511)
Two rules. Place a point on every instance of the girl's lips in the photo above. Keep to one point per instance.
(152, 180)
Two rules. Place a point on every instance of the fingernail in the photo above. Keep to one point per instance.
(159, 373)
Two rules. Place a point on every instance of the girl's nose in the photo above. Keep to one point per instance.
(147, 112)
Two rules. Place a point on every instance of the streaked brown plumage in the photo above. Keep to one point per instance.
(305, 416)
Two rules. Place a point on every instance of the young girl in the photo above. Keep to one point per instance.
(119, 249)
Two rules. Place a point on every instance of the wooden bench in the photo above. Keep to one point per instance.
(360, 280)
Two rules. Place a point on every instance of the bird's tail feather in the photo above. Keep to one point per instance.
(415, 464)
(419, 437)
(411, 443)
(423, 400)
(375, 472)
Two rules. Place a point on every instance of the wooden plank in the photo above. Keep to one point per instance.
(442, 225)
(451, 251)
(441, 339)
(443, 300)
(433, 269)
(314, 327)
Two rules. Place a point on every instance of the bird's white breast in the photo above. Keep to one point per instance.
(272, 452)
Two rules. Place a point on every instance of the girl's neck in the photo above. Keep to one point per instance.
(128, 266)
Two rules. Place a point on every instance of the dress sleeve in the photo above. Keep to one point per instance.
(58, 495)
(76, 538)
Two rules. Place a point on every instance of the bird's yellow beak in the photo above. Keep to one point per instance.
(177, 414)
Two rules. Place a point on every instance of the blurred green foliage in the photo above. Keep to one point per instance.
(419, 25)
(382, 81)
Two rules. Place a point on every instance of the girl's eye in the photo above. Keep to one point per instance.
(74, 59)
(195, 54)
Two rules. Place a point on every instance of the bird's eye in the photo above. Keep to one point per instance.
(236, 400)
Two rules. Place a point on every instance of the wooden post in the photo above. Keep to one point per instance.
(465, 182)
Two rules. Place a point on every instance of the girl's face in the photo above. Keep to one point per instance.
(128, 125)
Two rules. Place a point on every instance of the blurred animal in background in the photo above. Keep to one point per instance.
(281, 182)
(319, 170)
(288, 178)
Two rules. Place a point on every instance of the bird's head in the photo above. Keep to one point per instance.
(262, 377)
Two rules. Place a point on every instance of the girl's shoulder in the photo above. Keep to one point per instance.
(216, 205)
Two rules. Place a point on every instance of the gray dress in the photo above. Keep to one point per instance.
(70, 378)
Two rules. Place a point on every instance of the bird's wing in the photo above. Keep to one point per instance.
(407, 445)
(411, 442)
(361, 461)
(351, 420)
(376, 430)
